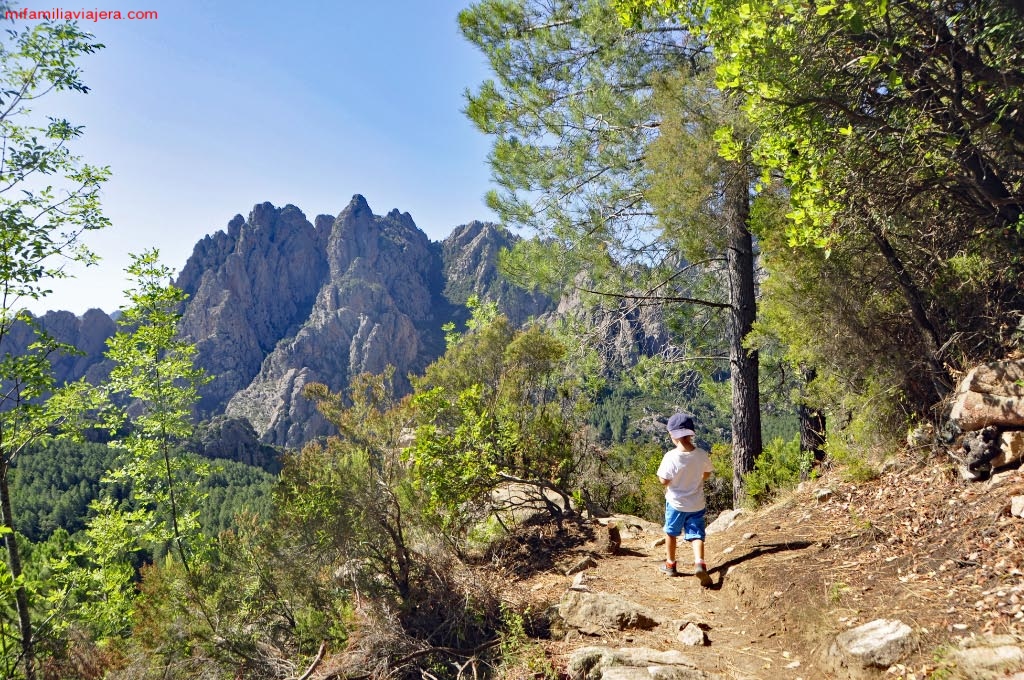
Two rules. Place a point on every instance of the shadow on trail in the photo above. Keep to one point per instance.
(721, 570)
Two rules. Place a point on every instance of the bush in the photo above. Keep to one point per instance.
(779, 467)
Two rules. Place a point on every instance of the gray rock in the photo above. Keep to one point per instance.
(692, 635)
(1017, 506)
(249, 287)
(860, 652)
(605, 663)
(580, 583)
(822, 495)
(516, 503)
(375, 302)
(725, 521)
(470, 255)
(988, 657)
(88, 333)
(587, 611)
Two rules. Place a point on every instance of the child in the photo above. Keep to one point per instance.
(682, 472)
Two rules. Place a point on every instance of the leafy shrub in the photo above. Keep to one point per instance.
(779, 467)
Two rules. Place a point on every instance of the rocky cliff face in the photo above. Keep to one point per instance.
(277, 303)
(470, 256)
(88, 333)
(620, 330)
(249, 287)
(379, 304)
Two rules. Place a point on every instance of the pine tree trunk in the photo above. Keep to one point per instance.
(743, 364)
(14, 564)
(812, 426)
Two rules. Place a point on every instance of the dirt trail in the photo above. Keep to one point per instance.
(790, 577)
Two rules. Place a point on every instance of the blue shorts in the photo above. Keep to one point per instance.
(676, 521)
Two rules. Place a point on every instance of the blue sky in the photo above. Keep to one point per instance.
(216, 106)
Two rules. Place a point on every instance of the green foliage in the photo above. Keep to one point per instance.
(718, 490)
(778, 469)
(230, 489)
(153, 368)
(570, 113)
(882, 143)
(519, 655)
(48, 199)
(624, 479)
(351, 496)
(53, 485)
(153, 371)
(265, 601)
(499, 405)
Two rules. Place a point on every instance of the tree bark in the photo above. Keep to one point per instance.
(942, 383)
(14, 564)
(743, 364)
(812, 426)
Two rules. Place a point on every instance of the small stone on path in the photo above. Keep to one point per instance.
(692, 635)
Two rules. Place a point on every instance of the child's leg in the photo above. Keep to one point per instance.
(694, 534)
(670, 549)
(698, 550)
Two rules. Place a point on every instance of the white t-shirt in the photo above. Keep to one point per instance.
(685, 470)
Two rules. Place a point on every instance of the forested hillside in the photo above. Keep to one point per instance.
(801, 222)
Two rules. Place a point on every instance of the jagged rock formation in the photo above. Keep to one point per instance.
(276, 302)
(249, 287)
(470, 257)
(379, 305)
(88, 333)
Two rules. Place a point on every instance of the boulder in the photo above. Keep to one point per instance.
(991, 394)
(593, 612)
(642, 663)
(724, 521)
(581, 565)
(1000, 378)
(988, 657)
(517, 503)
(634, 524)
(862, 651)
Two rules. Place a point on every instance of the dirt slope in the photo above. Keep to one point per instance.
(916, 544)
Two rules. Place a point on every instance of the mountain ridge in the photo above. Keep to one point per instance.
(276, 302)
